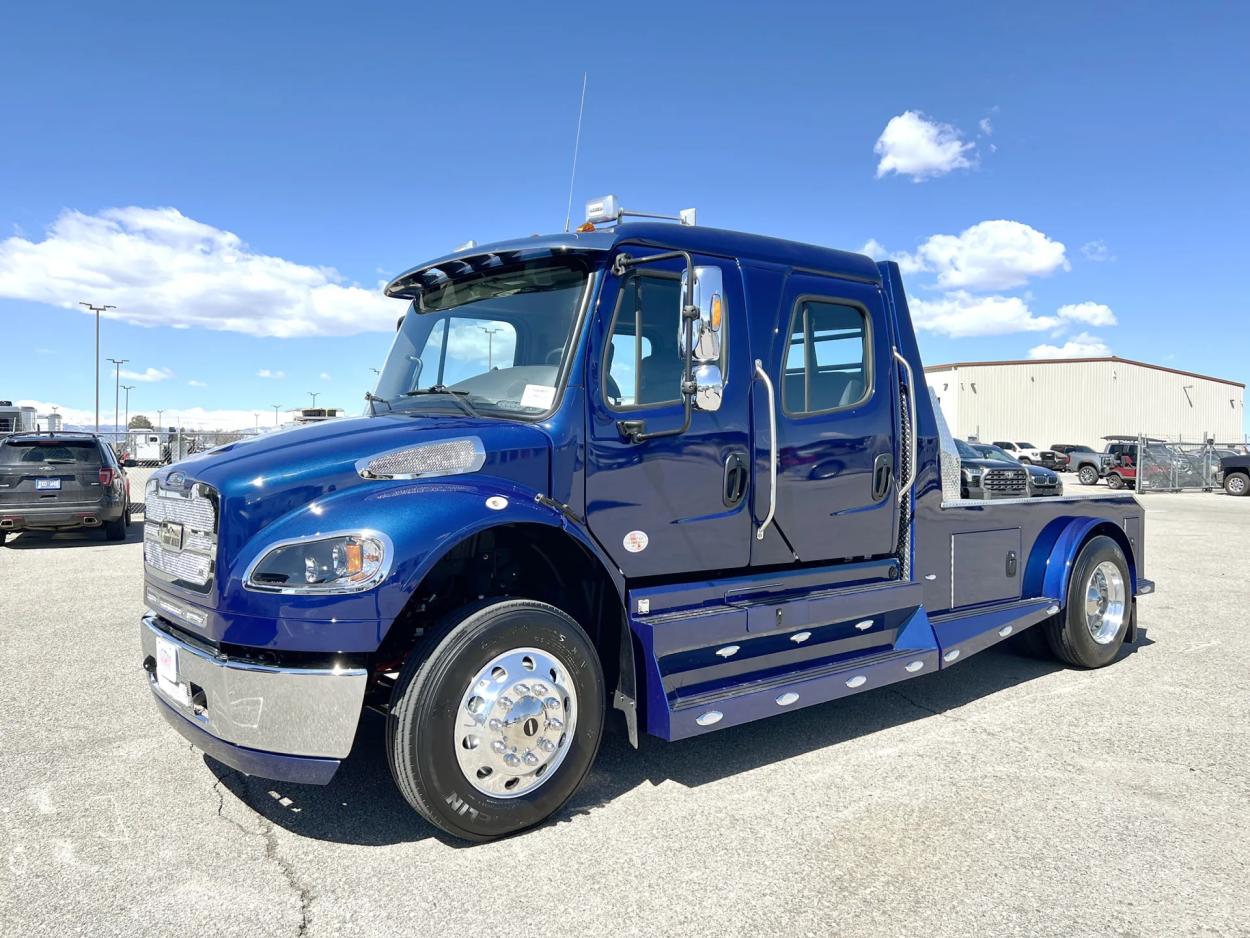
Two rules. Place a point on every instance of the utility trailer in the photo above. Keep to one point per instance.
(695, 477)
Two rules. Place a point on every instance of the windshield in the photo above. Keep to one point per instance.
(1026, 445)
(966, 451)
(491, 341)
(994, 452)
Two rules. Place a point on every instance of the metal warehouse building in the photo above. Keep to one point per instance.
(1081, 400)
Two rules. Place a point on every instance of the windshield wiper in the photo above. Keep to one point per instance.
(460, 397)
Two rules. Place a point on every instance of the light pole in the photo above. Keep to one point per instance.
(275, 413)
(117, 383)
(490, 345)
(97, 310)
(158, 418)
(313, 395)
(128, 388)
(256, 414)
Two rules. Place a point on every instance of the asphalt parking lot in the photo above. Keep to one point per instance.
(1006, 796)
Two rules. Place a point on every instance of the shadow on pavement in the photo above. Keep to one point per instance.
(361, 805)
(77, 537)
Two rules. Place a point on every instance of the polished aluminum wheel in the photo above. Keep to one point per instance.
(1105, 602)
(515, 722)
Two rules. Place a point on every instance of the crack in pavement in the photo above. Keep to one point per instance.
(267, 832)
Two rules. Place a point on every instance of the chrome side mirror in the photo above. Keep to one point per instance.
(709, 388)
(708, 297)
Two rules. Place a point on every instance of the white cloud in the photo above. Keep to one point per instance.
(149, 374)
(1092, 314)
(266, 373)
(325, 376)
(161, 268)
(991, 255)
(986, 126)
(1097, 251)
(912, 145)
(1081, 345)
(197, 384)
(907, 263)
(959, 314)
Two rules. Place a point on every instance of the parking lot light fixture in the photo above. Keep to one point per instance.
(128, 388)
(275, 413)
(97, 310)
(117, 383)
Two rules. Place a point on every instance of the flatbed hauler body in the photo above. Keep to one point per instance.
(690, 473)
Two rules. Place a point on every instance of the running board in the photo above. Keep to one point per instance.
(914, 653)
(961, 635)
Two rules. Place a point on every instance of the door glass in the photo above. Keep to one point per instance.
(827, 358)
(643, 364)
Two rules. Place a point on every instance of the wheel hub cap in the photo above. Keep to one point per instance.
(514, 722)
(1105, 602)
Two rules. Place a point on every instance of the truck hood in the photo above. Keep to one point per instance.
(261, 479)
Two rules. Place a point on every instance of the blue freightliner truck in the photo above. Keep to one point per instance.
(689, 474)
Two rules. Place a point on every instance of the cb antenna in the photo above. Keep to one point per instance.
(568, 217)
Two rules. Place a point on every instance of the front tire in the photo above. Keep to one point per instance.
(496, 727)
(1114, 481)
(1091, 628)
(1088, 475)
(1237, 483)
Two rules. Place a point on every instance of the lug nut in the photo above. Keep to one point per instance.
(540, 689)
(505, 702)
(551, 703)
(511, 759)
(521, 690)
(531, 759)
(498, 746)
(556, 724)
(495, 724)
(546, 745)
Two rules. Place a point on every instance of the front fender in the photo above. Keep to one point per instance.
(423, 520)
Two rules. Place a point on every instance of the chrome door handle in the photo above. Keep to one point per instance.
(772, 462)
(911, 450)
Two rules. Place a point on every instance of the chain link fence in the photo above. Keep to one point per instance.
(1178, 467)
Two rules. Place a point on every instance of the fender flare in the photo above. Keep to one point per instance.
(1054, 553)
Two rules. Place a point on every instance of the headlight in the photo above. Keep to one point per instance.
(342, 563)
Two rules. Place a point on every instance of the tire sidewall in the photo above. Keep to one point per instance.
(499, 627)
(1114, 480)
(1088, 475)
(1089, 652)
(1236, 477)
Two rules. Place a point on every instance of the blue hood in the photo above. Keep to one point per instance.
(264, 478)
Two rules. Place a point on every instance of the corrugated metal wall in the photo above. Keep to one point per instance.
(1080, 402)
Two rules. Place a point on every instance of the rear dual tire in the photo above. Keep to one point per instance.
(496, 719)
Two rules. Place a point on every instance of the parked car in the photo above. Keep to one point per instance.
(1234, 474)
(1027, 454)
(60, 481)
(1042, 481)
(1089, 464)
(989, 477)
(1069, 452)
(597, 518)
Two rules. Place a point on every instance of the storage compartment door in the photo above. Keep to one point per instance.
(985, 567)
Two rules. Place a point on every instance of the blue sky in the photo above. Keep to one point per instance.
(340, 144)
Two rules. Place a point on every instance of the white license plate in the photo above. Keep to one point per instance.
(47, 485)
(167, 672)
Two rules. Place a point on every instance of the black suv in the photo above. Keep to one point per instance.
(59, 481)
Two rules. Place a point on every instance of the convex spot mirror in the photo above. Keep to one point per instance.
(709, 387)
(708, 297)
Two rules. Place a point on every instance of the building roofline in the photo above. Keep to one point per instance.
(1069, 361)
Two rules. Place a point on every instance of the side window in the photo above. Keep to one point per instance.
(827, 364)
(641, 363)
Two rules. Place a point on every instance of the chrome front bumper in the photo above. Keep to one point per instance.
(288, 711)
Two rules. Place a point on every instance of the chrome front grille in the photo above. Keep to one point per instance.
(1006, 482)
(197, 513)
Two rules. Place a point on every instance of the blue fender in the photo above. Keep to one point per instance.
(1055, 551)
(424, 520)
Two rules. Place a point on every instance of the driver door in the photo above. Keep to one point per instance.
(676, 504)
